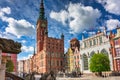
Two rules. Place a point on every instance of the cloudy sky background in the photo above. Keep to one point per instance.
(70, 17)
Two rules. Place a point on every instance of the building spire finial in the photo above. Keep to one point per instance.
(41, 4)
(42, 13)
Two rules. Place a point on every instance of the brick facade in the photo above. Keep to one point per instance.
(50, 51)
(115, 50)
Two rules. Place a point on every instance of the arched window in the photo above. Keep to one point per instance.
(104, 52)
(92, 53)
(85, 62)
(94, 42)
(100, 38)
(90, 42)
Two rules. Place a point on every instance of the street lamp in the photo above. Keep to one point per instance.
(23, 68)
(50, 57)
(50, 61)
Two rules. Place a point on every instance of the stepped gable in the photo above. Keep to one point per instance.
(10, 46)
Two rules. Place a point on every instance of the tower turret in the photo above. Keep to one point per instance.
(82, 36)
(62, 36)
(105, 33)
(42, 29)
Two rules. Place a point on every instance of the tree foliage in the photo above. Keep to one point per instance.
(99, 62)
(9, 66)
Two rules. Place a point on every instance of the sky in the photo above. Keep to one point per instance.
(71, 17)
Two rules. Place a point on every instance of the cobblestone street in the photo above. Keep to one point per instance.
(91, 78)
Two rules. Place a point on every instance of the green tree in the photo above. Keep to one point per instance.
(99, 63)
(9, 66)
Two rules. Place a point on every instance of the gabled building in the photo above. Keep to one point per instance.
(75, 46)
(70, 60)
(73, 56)
(20, 68)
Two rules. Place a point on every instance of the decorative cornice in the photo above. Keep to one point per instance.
(9, 46)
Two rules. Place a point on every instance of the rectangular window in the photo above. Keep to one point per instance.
(78, 57)
(41, 56)
(75, 63)
(85, 44)
(116, 42)
(94, 42)
(117, 52)
(100, 38)
(61, 63)
(53, 63)
(78, 62)
(57, 63)
(75, 57)
(118, 64)
(41, 63)
(90, 43)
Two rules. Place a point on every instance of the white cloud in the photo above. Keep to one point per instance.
(20, 27)
(6, 35)
(16, 27)
(23, 41)
(112, 24)
(6, 10)
(27, 49)
(111, 6)
(65, 49)
(80, 17)
(91, 33)
(102, 28)
(61, 16)
(28, 57)
(25, 57)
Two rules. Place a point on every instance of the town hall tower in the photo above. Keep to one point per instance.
(50, 51)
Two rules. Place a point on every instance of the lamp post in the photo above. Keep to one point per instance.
(23, 69)
(50, 61)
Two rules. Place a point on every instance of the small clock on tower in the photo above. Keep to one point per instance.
(43, 25)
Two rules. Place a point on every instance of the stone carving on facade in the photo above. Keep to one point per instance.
(9, 46)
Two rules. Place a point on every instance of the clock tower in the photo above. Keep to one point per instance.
(49, 50)
(41, 28)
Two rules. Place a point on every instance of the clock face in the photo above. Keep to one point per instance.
(43, 25)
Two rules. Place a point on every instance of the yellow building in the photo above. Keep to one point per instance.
(70, 60)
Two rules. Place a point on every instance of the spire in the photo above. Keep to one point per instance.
(62, 36)
(42, 13)
(117, 27)
(105, 33)
(83, 36)
(99, 31)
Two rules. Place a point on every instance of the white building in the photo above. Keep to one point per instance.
(23, 67)
(27, 66)
(20, 68)
(94, 44)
